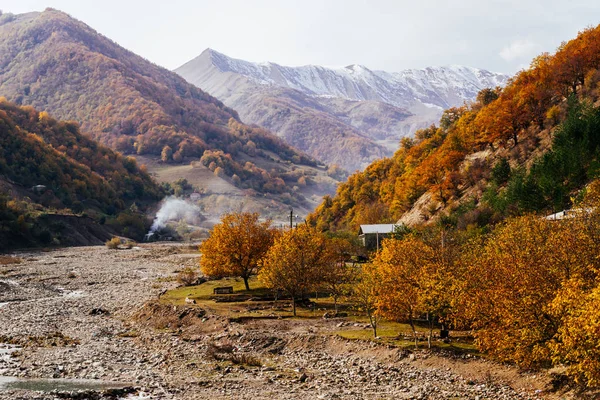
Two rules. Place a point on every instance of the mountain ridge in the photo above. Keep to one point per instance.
(362, 113)
(56, 63)
(427, 79)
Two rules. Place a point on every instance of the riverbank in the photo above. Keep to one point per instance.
(77, 313)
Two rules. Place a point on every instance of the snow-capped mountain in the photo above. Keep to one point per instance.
(347, 116)
(434, 86)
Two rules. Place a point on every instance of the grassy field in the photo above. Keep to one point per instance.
(400, 335)
(238, 304)
(247, 304)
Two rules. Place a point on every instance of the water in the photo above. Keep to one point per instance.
(48, 385)
(5, 350)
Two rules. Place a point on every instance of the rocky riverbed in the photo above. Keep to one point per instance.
(78, 313)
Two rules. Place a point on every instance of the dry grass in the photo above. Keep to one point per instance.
(8, 260)
(227, 352)
(113, 243)
(245, 359)
(187, 276)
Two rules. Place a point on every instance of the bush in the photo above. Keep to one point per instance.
(129, 244)
(113, 243)
(6, 260)
(245, 359)
(187, 276)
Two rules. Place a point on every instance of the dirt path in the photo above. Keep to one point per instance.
(71, 309)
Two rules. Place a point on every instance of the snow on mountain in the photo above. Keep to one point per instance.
(348, 116)
(443, 87)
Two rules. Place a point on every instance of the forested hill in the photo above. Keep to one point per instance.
(77, 174)
(58, 64)
(529, 147)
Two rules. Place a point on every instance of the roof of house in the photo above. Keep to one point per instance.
(572, 213)
(376, 228)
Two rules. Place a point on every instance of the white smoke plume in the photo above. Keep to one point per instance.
(174, 209)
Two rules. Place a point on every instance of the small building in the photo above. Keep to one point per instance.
(568, 214)
(371, 235)
(38, 189)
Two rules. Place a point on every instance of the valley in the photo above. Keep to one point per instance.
(80, 313)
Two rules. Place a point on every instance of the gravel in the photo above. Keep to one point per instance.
(70, 311)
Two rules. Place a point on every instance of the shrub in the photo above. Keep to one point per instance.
(187, 276)
(245, 359)
(129, 244)
(6, 260)
(113, 243)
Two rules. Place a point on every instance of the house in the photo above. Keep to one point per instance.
(568, 214)
(38, 189)
(371, 235)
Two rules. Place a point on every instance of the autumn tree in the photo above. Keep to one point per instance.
(514, 279)
(236, 246)
(576, 342)
(336, 275)
(401, 267)
(167, 154)
(366, 292)
(295, 262)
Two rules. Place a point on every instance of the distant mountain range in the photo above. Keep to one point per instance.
(350, 115)
(55, 63)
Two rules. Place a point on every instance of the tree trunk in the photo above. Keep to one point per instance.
(430, 333)
(294, 305)
(335, 304)
(374, 326)
(246, 282)
(412, 325)
(373, 323)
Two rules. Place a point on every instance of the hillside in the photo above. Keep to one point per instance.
(347, 116)
(529, 147)
(49, 172)
(58, 64)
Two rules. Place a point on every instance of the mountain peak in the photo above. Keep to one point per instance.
(441, 87)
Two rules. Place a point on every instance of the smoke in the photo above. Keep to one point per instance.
(174, 209)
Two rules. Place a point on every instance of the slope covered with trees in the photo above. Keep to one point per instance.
(55, 63)
(49, 166)
(526, 148)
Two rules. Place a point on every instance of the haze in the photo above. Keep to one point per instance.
(389, 35)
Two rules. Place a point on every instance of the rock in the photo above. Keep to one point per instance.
(328, 315)
(98, 311)
(189, 301)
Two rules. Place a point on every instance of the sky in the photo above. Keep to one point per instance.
(390, 35)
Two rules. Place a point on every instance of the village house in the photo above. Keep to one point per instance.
(371, 235)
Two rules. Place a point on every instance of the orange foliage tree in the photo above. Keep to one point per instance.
(515, 276)
(236, 246)
(295, 262)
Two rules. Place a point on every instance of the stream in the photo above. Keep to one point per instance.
(49, 385)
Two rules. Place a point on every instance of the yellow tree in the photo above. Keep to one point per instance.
(515, 277)
(336, 275)
(576, 344)
(295, 261)
(236, 246)
(365, 293)
(401, 265)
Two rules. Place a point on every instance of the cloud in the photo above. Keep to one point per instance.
(519, 49)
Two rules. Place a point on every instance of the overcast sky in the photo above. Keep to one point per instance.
(390, 35)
